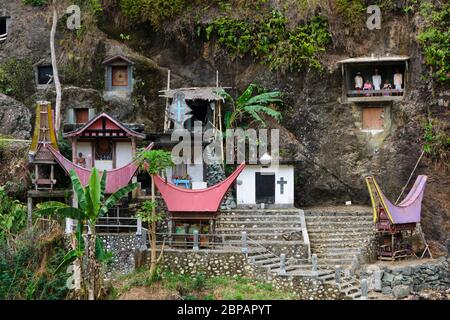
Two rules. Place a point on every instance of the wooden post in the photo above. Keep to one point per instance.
(36, 173)
(282, 271)
(166, 118)
(74, 149)
(30, 212)
(195, 247)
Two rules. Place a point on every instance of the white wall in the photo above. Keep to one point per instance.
(195, 171)
(124, 153)
(86, 149)
(245, 191)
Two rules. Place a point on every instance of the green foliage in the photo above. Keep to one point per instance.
(64, 145)
(269, 39)
(145, 212)
(28, 267)
(352, 12)
(435, 38)
(252, 103)
(436, 143)
(16, 78)
(153, 11)
(35, 3)
(91, 206)
(13, 215)
(154, 161)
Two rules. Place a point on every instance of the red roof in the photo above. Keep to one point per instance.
(106, 126)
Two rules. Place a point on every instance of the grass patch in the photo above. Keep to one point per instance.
(201, 287)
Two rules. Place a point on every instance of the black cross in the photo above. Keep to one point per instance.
(281, 182)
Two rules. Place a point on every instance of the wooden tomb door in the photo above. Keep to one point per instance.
(265, 187)
(119, 76)
(373, 118)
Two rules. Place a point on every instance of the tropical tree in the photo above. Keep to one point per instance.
(154, 162)
(91, 205)
(254, 102)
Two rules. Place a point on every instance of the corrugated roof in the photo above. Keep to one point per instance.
(196, 93)
(375, 59)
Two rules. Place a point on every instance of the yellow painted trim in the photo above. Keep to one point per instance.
(382, 201)
(372, 199)
(50, 126)
(37, 129)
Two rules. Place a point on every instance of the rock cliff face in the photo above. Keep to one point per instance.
(335, 154)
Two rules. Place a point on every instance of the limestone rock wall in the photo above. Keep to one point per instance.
(334, 156)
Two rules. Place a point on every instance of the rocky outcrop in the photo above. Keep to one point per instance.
(15, 118)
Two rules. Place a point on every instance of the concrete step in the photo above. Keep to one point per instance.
(335, 250)
(340, 230)
(338, 239)
(332, 224)
(334, 261)
(339, 218)
(258, 217)
(279, 229)
(261, 256)
(355, 295)
(339, 210)
(270, 237)
(260, 211)
(267, 261)
(240, 223)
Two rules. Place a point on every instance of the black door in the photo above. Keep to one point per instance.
(265, 187)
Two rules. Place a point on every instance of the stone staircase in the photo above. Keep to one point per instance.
(339, 234)
(336, 235)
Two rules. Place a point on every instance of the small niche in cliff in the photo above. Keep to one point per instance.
(119, 77)
(374, 79)
(44, 75)
(4, 26)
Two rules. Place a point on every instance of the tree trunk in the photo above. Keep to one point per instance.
(92, 264)
(55, 69)
(153, 234)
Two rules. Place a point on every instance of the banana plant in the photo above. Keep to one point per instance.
(91, 206)
(253, 102)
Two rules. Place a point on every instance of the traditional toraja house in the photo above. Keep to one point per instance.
(42, 160)
(391, 220)
(104, 143)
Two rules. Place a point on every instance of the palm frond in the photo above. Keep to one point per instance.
(78, 188)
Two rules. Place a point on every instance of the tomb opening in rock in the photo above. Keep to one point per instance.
(374, 78)
(44, 75)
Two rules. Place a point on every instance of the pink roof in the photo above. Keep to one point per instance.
(204, 200)
(109, 123)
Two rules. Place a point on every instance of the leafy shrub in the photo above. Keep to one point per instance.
(13, 215)
(435, 39)
(28, 267)
(269, 39)
(16, 78)
(437, 143)
(36, 3)
(153, 11)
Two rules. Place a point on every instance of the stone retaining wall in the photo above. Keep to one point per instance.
(122, 247)
(401, 280)
(221, 263)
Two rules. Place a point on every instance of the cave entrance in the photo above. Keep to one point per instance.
(201, 111)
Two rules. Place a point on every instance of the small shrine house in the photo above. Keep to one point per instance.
(104, 143)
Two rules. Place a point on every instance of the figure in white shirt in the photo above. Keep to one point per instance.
(358, 81)
(398, 79)
(376, 81)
